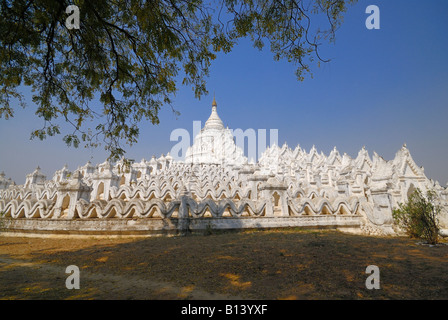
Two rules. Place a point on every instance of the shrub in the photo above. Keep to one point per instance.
(2, 215)
(418, 217)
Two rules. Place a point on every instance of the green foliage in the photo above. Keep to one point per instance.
(419, 216)
(2, 219)
(125, 61)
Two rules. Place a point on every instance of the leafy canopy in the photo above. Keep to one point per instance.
(123, 63)
(418, 217)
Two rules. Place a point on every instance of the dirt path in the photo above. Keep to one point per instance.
(270, 264)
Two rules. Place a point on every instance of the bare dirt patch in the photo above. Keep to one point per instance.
(269, 264)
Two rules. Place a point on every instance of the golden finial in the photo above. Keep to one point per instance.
(214, 104)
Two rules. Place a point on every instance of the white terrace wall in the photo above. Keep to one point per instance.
(286, 187)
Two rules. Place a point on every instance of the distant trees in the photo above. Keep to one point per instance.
(418, 217)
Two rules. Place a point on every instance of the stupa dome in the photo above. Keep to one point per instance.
(215, 144)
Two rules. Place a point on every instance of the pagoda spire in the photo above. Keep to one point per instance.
(214, 104)
(214, 121)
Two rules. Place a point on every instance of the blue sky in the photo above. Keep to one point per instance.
(381, 89)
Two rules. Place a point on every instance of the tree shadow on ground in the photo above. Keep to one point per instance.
(269, 264)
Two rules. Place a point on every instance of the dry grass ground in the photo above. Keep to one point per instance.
(269, 264)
